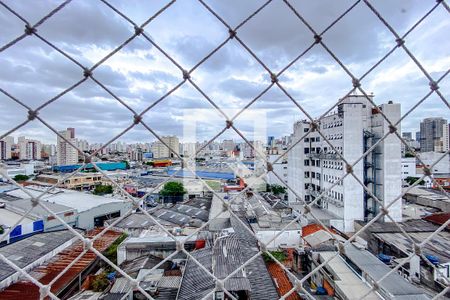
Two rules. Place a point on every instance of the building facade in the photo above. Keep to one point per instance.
(408, 167)
(29, 149)
(5, 147)
(65, 153)
(434, 135)
(314, 166)
(160, 150)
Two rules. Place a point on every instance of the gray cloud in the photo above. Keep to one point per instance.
(139, 74)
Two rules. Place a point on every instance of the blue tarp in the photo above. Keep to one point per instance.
(203, 174)
(105, 166)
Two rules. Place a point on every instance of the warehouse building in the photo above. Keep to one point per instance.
(81, 209)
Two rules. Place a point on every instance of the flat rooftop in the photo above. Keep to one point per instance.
(347, 282)
(9, 218)
(438, 246)
(81, 201)
(21, 206)
(395, 285)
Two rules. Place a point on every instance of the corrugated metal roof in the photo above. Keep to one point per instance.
(170, 282)
(196, 283)
(121, 285)
(394, 284)
(27, 251)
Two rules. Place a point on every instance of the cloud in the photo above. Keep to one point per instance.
(140, 74)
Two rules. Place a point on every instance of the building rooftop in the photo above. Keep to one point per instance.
(34, 248)
(10, 218)
(393, 285)
(21, 206)
(81, 201)
(138, 221)
(57, 262)
(439, 218)
(438, 246)
(228, 253)
(345, 279)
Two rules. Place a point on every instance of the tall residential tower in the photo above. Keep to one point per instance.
(65, 153)
(434, 135)
(314, 166)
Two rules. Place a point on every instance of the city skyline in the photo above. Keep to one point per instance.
(140, 75)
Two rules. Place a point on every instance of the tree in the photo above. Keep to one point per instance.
(173, 188)
(21, 177)
(100, 283)
(103, 189)
(411, 180)
(276, 189)
(409, 154)
(111, 252)
(279, 255)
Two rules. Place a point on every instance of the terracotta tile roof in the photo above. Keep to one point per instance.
(26, 290)
(282, 281)
(439, 218)
(313, 228)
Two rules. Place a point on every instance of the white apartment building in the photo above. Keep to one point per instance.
(29, 149)
(408, 167)
(430, 158)
(188, 149)
(314, 166)
(5, 147)
(65, 153)
(160, 150)
(280, 167)
(228, 145)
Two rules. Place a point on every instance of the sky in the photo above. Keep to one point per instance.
(139, 74)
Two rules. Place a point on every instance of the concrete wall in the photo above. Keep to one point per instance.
(86, 218)
(290, 238)
(408, 167)
(353, 150)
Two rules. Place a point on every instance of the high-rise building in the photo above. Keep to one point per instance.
(83, 145)
(5, 147)
(315, 167)
(136, 154)
(160, 150)
(407, 135)
(418, 136)
(29, 149)
(434, 135)
(188, 149)
(228, 145)
(270, 141)
(49, 149)
(65, 153)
